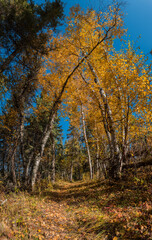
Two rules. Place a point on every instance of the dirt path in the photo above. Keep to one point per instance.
(56, 223)
(79, 211)
(59, 218)
(48, 216)
(60, 213)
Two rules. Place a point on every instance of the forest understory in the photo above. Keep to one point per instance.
(108, 210)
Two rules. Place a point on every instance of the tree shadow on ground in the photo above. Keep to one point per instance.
(108, 196)
(75, 185)
(108, 230)
(120, 193)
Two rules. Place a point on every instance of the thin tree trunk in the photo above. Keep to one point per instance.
(97, 158)
(103, 170)
(27, 177)
(86, 142)
(4, 157)
(12, 157)
(125, 134)
(97, 151)
(71, 172)
(53, 161)
(7, 158)
(13, 174)
(49, 164)
(22, 139)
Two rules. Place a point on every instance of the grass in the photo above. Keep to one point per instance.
(17, 214)
(82, 210)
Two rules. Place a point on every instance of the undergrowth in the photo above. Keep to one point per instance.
(110, 210)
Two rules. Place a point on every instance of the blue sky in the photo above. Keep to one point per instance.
(138, 18)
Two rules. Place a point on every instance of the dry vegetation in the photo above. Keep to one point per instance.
(82, 210)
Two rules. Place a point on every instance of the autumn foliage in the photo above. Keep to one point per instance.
(104, 93)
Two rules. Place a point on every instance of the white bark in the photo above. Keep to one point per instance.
(108, 123)
(86, 142)
(97, 156)
(38, 157)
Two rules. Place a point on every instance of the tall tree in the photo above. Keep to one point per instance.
(22, 48)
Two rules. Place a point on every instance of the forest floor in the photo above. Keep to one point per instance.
(81, 210)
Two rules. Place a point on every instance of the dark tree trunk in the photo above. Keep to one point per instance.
(53, 161)
(27, 170)
(71, 172)
(13, 173)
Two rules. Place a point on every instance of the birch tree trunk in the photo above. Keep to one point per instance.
(115, 163)
(39, 155)
(97, 158)
(97, 151)
(86, 142)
